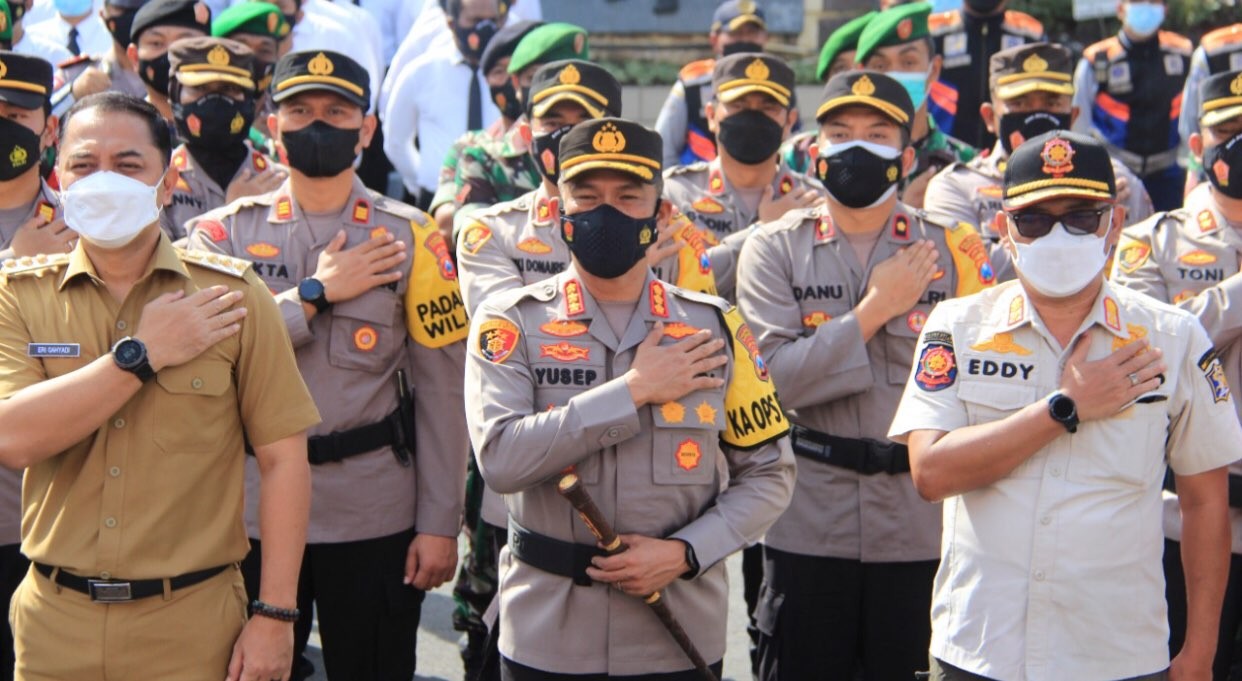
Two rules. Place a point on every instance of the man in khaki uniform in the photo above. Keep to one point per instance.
(1189, 257)
(1045, 413)
(213, 95)
(369, 295)
(133, 444)
(838, 294)
(626, 378)
(1032, 93)
(747, 182)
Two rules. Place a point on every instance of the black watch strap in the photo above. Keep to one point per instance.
(315, 296)
(130, 355)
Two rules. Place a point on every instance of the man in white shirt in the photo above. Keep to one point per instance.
(439, 96)
(1044, 412)
(15, 37)
(318, 26)
(76, 26)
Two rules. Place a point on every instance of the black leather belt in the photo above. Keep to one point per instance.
(562, 558)
(868, 457)
(343, 444)
(118, 591)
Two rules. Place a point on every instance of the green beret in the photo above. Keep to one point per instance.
(548, 43)
(256, 18)
(6, 21)
(896, 26)
(843, 39)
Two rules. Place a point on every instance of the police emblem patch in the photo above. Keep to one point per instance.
(937, 365)
(1214, 373)
(497, 340)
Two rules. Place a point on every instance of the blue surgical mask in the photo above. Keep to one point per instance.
(1144, 18)
(915, 83)
(72, 8)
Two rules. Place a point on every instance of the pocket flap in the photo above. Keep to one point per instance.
(200, 377)
(996, 395)
(378, 306)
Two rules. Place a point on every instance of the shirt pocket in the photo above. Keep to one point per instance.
(685, 439)
(1126, 450)
(203, 387)
(990, 402)
(365, 332)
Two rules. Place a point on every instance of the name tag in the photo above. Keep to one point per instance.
(53, 349)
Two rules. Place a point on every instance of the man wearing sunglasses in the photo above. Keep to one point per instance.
(1189, 257)
(1044, 412)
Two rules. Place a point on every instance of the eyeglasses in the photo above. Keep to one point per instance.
(1078, 222)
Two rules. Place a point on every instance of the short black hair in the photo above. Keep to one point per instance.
(453, 7)
(119, 102)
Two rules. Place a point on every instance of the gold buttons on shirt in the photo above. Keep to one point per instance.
(115, 471)
(197, 383)
(119, 423)
(120, 325)
(109, 523)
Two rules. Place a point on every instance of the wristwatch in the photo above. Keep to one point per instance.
(691, 560)
(1062, 410)
(311, 291)
(131, 355)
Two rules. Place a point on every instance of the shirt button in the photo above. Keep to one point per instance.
(1046, 520)
(120, 325)
(613, 432)
(115, 471)
(1056, 471)
(1039, 575)
(197, 383)
(119, 423)
(105, 575)
(109, 523)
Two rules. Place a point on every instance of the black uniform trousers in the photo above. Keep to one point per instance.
(829, 618)
(13, 568)
(512, 671)
(368, 619)
(1230, 612)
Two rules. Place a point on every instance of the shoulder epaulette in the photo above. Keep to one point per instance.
(34, 266)
(1110, 47)
(1021, 22)
(214, 261)
(74, 61)
(1221, 39)
(394, 207)
(941, 23)
(521, 203)
(796, 217)
(927, 219)
(1176, 42)
(696, 167)
(696, 69)
(542, 291)
(715, 301)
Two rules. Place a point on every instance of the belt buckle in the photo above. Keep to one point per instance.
(103, 591)
(880, 459)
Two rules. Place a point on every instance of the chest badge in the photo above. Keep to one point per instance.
(1002, 343)
(689, 454)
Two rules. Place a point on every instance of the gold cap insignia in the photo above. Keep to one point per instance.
(1236, 86)
(1035, 64)
(1058, 155)
(320, 65)
(746, 7)
(17, 157)
(758, 70)
(218, 56)
(863, 87)
(608, 140)
(569, 75)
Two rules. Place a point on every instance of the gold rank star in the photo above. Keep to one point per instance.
(706, 413)
(673, 412)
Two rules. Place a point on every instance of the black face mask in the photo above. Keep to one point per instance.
(750, 136)
(214, 121)
(982, 6)
(154, 72)
(320, 150)
(472, 41)
(607, 242)
(119, 26)
(1223, 164)
(857, 177)
(544, 148)
(505, 98)
(19, 149)
(1016, 128)
(741, 48)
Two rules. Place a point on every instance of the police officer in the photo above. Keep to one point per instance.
(750, 116)
(838, 294)
(1190, 257)
(213, 106)
(1219, 51)
(130, 415)
(737, 26)
(1129, 84)
(13, 35)
(261, 27)
(370, 299)
(87, 74)
(896, 42)
(628, 379)
(157, 25)
(835, 56)
(30, 217)
(1031, 93)
(966, 39)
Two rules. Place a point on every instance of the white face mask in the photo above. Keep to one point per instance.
(109, 209)
(1060, 264)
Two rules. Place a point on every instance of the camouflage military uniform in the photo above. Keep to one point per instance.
(939, 149)
(488, 174)
(446, 186)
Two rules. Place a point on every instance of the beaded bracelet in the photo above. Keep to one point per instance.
(283, 614)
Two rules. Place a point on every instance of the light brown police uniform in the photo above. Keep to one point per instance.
(543, 373)
(703, 193)
(349, 354)
(156, 492)
(1189, 257)
(196, 192)
(798, 283)
(971, 192)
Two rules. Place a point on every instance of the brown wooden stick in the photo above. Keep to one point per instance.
(572, 489)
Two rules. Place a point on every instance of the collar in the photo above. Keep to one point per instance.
(357, 209)
(164, 258)
(544, 210)
(1106, 311)
(577, 304)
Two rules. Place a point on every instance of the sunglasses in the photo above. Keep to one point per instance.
(1078, 222)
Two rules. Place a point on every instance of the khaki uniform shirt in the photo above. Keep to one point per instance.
(46, 203)
(543, 373)
(157, 490)
(1054, 571)
(798, 283)
(349, 355)
(971, 192)
(196, 193)
(704, 194)
(1189, 257)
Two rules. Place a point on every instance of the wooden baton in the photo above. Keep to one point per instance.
(571, 488)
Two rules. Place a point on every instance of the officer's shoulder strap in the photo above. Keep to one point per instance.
(696, 167)
(696, 70)
(74, 61)
(1176, 42)
(215, 261)
(37, 266)
(687, 294)
(393, 207)
(1222, 38)
(236, 206)
(1024, 24)
(520, 204)
(942, 23)
(543, 291)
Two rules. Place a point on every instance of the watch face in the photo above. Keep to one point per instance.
(128, 352)
(310, 289)
(1062, 407)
